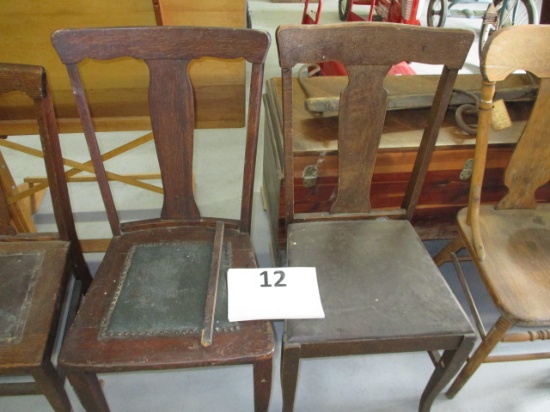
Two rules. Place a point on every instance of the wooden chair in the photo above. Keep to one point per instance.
(35, 268)
(379, 287)
(161, 290)
(510, 242)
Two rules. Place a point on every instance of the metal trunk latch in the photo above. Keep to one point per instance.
(466, 172)
(310, 176)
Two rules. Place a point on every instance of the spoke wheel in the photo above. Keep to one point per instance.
(437, 13)
(344, 7)
(506, 13)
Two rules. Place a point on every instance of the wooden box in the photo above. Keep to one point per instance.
(116, 104)
(316, 161)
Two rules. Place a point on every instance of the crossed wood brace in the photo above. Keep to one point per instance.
(21, 209)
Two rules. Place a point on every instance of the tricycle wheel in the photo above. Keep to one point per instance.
(437, 13)
(504, 13)
(344, 7)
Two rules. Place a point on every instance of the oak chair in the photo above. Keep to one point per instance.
(379, 287)
(510, 242)
(35, 268)
(159, 297)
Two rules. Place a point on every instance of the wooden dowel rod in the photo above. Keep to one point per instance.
(212, 292)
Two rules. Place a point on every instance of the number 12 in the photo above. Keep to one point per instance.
(279, 283)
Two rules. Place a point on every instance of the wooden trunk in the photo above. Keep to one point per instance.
(446, 188)
(116, 104)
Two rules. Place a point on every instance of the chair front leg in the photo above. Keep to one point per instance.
(51, 385)
(88, 389)
(494, 336)
(446, 367)
(290, 364)
(263, 373)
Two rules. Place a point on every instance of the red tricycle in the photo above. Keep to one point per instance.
(394, 11)
(337, 69)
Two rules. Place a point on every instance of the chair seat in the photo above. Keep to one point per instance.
(520, 278)
(156, 303)
(33, 276)
(364, 271)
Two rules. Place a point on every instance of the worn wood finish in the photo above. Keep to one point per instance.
(532, 146)
(180, 252)
(214, 81)
(312, 50)
(510, 241)
(32, 81)
(349, 245)
(32, 293)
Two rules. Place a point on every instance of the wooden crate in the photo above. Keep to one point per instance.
(316, 161)
(116, 104)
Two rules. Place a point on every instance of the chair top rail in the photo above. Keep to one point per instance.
(177, 43)
(23, 78)
(378, 43)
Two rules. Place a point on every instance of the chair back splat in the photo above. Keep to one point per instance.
(362, 106)
(171, 101)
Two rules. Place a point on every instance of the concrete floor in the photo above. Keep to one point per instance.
(390, 382)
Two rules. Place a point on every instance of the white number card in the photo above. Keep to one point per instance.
(275, 293)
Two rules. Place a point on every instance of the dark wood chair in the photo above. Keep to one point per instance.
(380, 289)
(35, 268)
(510, 242)
(159, 297)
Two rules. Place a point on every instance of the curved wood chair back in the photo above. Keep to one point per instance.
(362, 108)
(32, 81)
(171, 102)
(529, 166)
